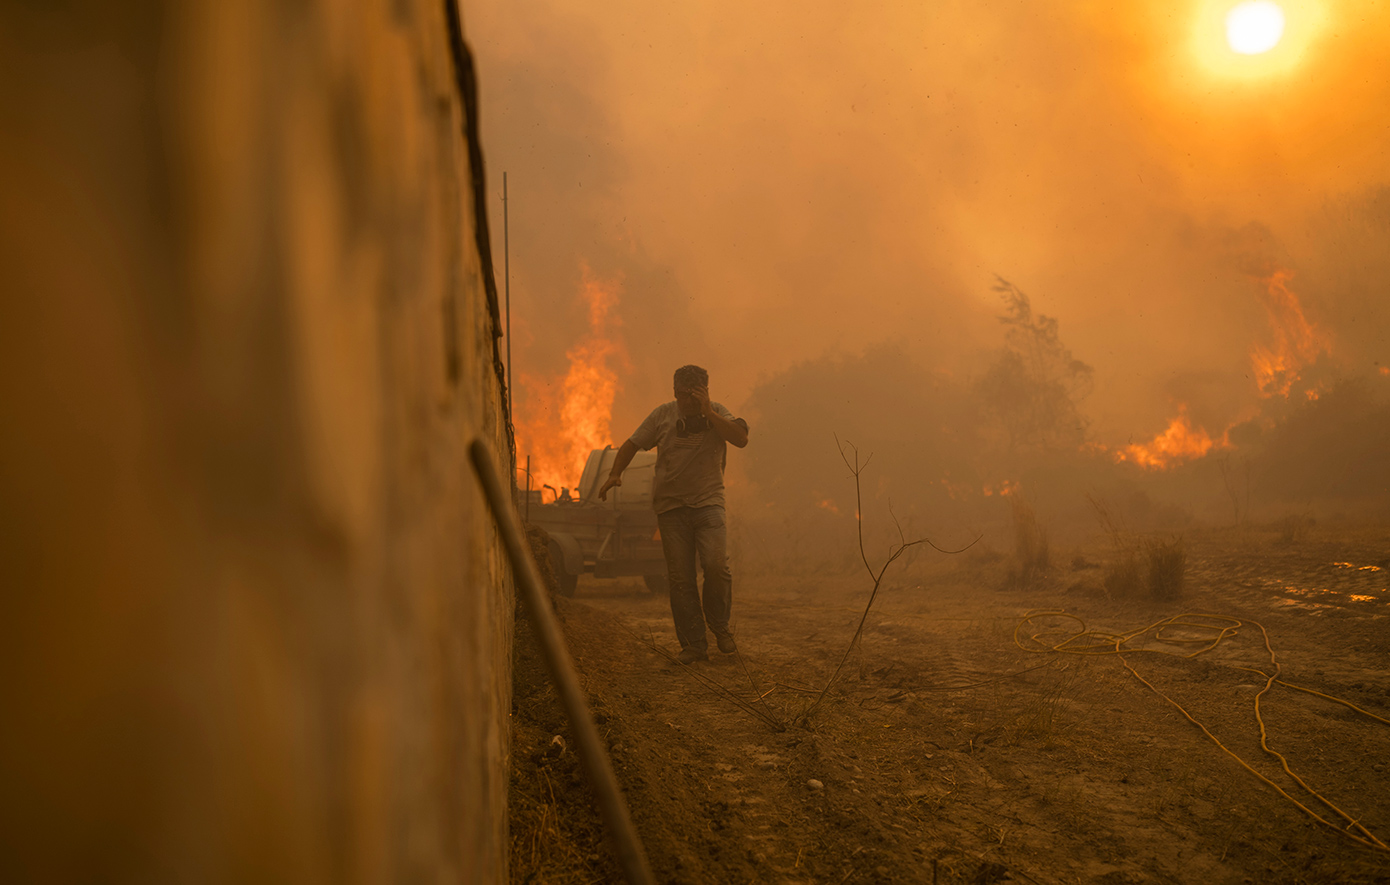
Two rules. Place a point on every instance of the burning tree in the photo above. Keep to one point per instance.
(1296, 342)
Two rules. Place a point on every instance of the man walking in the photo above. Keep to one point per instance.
(688, 494)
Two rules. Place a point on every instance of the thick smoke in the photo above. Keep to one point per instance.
(817, 201)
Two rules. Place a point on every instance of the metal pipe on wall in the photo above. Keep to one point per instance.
(631, 855)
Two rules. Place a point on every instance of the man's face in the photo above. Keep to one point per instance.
(686, 400)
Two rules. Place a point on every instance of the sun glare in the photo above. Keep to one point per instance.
(1254, 27)
(1251, 40)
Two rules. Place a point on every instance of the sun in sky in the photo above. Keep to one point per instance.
(1251, 40)
(1254, 27)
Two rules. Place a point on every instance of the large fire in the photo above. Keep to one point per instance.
(1297, 341)
(1179, 442)
(561, 420)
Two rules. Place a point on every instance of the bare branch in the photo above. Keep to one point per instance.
(950, 552)
(902, 537)
(894, 552)
(856, 468)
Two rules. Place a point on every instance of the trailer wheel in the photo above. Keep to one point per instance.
(657, 584)
(566, 582)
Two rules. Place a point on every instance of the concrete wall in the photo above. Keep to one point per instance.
(256, 624)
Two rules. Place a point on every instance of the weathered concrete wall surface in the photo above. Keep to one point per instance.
(256, 623)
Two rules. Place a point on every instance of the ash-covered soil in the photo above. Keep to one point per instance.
(948, 752)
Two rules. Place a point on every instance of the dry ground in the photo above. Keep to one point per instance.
(946, 753)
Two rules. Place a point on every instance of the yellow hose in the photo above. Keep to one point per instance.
(1212, 630)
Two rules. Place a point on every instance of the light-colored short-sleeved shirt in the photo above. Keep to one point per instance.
(690, 457)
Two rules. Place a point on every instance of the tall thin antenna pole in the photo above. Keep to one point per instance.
(507, 284)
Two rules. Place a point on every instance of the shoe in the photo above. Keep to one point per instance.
(725, 641)
(690, 654)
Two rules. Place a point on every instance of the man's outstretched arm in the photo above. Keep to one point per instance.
(620, 462)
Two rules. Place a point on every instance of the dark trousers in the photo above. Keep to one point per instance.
(688, 532)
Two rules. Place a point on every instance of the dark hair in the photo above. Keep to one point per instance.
(691, 376)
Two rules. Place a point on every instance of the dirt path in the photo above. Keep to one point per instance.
(1051, 768)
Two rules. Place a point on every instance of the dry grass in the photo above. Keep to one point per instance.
(1123, 577)
(1167, 569)
(1036, 719)
(1153, 567)
(1294, 529)
(553, 826)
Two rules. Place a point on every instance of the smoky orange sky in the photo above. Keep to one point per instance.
(769, 182)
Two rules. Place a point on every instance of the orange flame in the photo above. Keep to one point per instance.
(1180, 442)
(565, 419)
(1004, 489)
(827, 504)
(1297, 340)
